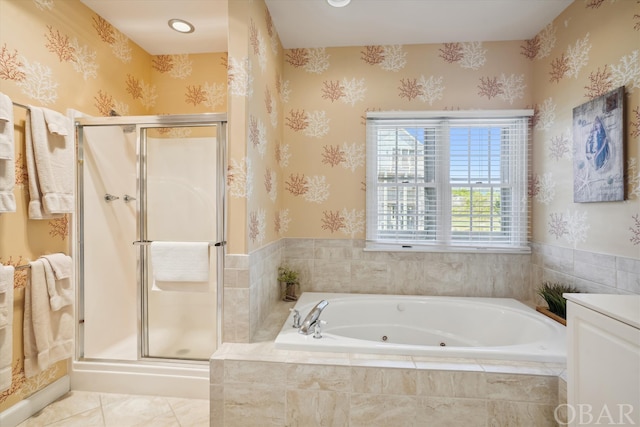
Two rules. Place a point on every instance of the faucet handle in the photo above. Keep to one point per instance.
(317, 333)
(296, 318)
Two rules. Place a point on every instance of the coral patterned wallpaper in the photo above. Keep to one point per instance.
(591, 48)
(59, 54)
(255, 115)
(329, 91)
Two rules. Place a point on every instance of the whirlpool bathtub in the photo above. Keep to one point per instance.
(478, 328)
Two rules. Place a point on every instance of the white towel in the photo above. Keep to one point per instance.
(57, 272)
(61, 264)
(180, 266)
(48, 334)
(50, 168)
(7, 162)
(57, 123)
(6, 128)
(6, 145)
(6, 326)
(6, 285)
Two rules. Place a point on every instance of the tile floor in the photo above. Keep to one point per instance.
(89, 409)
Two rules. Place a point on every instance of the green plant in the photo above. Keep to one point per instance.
(291, 280)
(288, 275)
(552, 294)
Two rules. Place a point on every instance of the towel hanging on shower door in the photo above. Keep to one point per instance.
(180, 266)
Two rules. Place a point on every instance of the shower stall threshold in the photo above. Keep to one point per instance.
(158, 379)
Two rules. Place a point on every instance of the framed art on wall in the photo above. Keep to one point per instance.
(598, 149)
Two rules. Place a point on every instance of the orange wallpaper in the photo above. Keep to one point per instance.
(592, 47)
(190, 84)
(255, 88)
(59, 54)
(329, 91)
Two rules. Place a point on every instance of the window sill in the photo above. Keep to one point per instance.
(385, 247)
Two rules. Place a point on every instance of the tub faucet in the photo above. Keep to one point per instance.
(296, 318)
(312, 318)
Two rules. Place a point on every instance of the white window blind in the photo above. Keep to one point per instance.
(448, 180)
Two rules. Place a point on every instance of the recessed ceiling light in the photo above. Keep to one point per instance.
(338, 3)
(181, 26)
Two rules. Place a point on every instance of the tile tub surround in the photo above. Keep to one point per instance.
(256, 384)
(251, 291)
(588, 271)
(342, 265)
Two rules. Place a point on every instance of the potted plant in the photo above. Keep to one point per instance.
(557, 304)
(289, 282)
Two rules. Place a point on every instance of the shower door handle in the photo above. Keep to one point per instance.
(127, 198)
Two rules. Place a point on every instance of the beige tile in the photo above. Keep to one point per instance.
(447, 364)
(521, 414)
(451, 412)
(92, 417)
(451, 384)
(524, 388)
(216, 406)
(236, 317)
(318, 358)
(370, 410)
(383, 381)
(381, 360)
(253, 405)
(518, 367)
(124, 410)
(254, 372)
(72, 403)
(216, 371)
(162, 420)
(190, 412)
(319, 377)
(309, 408)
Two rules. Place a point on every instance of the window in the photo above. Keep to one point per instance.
(448, 180)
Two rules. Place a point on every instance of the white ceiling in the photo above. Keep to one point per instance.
(146, 23)
(313, 23)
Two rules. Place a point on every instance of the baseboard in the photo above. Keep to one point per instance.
(22, 410)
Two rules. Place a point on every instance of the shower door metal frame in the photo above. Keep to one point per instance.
(142, 123)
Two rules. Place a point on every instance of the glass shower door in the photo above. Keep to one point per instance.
(178, 192)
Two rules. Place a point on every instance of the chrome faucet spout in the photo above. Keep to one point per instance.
(312, 318)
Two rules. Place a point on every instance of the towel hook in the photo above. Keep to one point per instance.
(110, 197)
(127, 198)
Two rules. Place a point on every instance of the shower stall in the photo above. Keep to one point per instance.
(142, 180)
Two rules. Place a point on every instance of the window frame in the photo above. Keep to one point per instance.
(517, 170)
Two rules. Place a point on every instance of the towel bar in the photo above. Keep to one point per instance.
(17, 104)
(148, 242)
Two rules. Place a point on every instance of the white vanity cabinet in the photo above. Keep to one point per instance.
(603, 359)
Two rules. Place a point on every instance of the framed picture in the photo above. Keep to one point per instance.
(598, 149)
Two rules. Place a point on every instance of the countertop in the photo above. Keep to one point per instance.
(625, 308)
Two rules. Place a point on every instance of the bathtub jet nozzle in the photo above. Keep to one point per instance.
(312, 318)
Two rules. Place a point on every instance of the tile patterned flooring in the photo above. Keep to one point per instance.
(89, 409)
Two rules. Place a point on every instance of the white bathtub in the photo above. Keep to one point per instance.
(479, 328)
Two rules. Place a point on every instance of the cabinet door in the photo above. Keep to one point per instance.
(603, 364)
